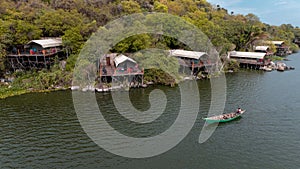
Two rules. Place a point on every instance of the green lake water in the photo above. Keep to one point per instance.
(41, 130)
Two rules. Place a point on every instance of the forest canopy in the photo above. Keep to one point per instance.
(76, 20)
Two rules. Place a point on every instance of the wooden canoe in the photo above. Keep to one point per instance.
(224, 117)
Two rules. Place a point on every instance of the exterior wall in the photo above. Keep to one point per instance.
(253, 61)
(126, 66)
(282, 51)
(190, 62)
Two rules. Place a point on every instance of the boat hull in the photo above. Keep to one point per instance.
(221, 119)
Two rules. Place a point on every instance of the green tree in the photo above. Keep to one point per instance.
(159, 7)
(130, 7)
(159, 68)
(24, 32)
(73, 40)
(133, 44)
(55, 23)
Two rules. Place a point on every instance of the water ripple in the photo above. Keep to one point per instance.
(42, 130)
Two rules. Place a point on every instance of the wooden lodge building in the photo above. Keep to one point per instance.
(281, 48)
(192, 62)
(263, 49)
(297, 41)
(253, 60)
(119, 70)
(35, 54)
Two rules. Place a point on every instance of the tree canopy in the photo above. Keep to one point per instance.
(76, 20)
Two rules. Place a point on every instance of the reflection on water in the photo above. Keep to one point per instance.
(42, 130)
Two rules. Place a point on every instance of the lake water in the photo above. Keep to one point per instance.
(42, 130)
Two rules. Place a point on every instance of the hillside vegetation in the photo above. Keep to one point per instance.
(76, 20)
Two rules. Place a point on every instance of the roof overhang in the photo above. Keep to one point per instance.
(187, 54)
(262, 48)
(277, 42)
(47, 43)
(122, 58)
(252, 55)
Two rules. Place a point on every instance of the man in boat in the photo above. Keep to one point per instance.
(104, 70)
(238, 111)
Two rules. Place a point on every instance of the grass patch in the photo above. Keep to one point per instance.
(5, 92)
(275, 58)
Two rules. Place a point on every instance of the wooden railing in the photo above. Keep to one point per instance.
(38, 54)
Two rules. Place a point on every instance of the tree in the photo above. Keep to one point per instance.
(159, 7)
(25, 32)
(63, 4)
(55, 23)
(159, 68)
(130, 7)
(252, 19)
(133, 44)
(73, 40)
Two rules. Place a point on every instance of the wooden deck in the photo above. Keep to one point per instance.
(27, 61)
(38, 54)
